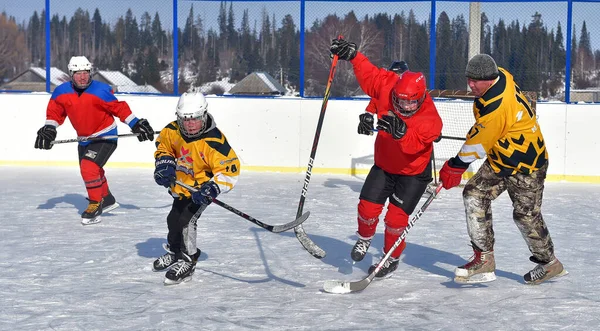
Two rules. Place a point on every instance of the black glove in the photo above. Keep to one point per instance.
(164, 171)
(393, 125)
(143, 129)
(365, 126)
(343, 49)
(206, 193)
(45, 136)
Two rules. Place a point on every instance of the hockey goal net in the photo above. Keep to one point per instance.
(456, 109)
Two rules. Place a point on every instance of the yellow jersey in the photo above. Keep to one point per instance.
(200, 159)
(506, 130)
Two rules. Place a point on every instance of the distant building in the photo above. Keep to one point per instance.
(588, 95)
(34, 79)
(258, 83)
(121, 83)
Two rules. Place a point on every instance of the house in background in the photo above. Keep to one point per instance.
(121, 83)
(258, 83)
(34, 79)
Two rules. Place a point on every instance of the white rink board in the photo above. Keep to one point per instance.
(277, 134)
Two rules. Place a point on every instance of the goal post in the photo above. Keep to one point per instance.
(456, 110)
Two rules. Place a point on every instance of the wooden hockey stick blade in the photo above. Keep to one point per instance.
(308, 244)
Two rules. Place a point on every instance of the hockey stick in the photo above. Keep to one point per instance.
(440, 137)
(273, 228)
(341, 287)
(308, 244)
(82, 139)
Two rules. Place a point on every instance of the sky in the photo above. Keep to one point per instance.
(60, 275)
(552, 11)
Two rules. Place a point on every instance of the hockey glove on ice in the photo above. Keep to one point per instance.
(143, 129)
(45, 136)
(343, 49)
(365, 126)
(206, 193)
(451, 173)
(164, 172)
(393, 125)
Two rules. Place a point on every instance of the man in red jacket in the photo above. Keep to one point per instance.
(408, 123)
(91, 107)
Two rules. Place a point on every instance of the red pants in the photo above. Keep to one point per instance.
(93, 177)
(395, 220)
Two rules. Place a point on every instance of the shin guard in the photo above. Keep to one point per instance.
(368, 217)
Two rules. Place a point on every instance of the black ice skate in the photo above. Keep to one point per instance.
(182, 270)
(360, 248)
(166, 261)
(109, 203)
(386, 270)
(544, 271)
(91, 215)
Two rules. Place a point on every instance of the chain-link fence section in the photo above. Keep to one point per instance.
(272, 48)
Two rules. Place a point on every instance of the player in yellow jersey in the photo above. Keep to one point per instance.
(507, 132)
(194, 151)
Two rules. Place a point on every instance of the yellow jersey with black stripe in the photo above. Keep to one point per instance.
(506, 130)
(199, 159)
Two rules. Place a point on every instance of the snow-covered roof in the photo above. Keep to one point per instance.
(258, 83)
(116, 78)
(57, 76)
(136, 89)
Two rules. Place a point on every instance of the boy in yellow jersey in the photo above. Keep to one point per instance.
(192, 150)
(506, 130)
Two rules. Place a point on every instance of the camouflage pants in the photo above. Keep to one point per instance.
(525, 192)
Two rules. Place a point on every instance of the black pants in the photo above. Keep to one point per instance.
(98, 151)
(181, 222)
(402, 190)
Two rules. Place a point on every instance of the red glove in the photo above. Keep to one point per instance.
(451, 175)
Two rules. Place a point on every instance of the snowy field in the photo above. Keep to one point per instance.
(59, 275)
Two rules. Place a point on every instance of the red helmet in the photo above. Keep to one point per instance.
(408, 93)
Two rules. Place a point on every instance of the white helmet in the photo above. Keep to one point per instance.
(191, 114)
(80, 63)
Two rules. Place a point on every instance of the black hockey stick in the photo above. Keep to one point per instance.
(453, 138)
(273, 228)
(82, 139)
(340, 287)
(306, 242)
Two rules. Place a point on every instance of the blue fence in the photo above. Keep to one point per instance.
(552, 47)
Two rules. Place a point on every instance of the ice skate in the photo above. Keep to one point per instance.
(109, 203)
(386, 270)
(166, 261)
(544, 271)
(480, 269)
(182, 270)
(92, 213)
(360, 248)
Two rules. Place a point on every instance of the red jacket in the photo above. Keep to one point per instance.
(410, 154)
(90, 113)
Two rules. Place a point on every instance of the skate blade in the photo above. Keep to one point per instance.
(111, 207)
(476, 279)
(90, 221)
(169, 282)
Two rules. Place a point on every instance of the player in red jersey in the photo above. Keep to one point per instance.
(91, 107)
(408, 124)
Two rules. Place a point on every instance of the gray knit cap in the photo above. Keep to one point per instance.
(482, 67)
